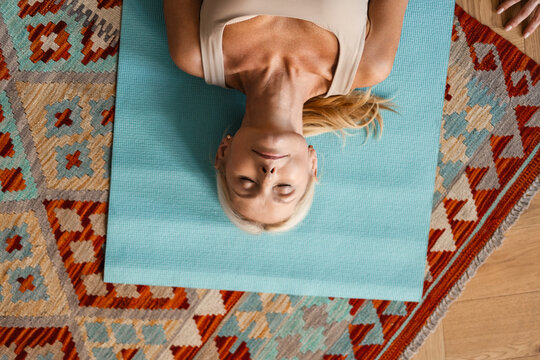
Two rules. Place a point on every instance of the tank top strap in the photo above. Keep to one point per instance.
(346, 19)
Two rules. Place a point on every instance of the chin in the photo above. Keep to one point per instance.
(277, 140)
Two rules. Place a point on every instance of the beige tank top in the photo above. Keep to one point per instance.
(345, 18)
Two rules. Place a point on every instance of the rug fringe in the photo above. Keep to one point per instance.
(494, 242)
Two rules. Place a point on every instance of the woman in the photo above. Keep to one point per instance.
(298, 82)
(294, 63)
(299, 78)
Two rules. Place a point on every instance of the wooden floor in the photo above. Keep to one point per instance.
(497, 316)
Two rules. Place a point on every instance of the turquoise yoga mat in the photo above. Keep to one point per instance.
(366, 235)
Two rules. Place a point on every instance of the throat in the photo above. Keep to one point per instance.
(273, 40)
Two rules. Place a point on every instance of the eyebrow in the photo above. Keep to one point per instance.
(279, 199)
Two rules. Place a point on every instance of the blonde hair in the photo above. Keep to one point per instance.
(355, 110)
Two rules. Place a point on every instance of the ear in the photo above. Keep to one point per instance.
(220, 154)
(313, 161)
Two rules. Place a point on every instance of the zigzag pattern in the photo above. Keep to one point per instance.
(57, 73)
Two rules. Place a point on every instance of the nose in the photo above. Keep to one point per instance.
(268, 169)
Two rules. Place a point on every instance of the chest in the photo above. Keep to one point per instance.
(259, 39)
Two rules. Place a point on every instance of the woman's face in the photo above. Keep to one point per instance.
(267, 172)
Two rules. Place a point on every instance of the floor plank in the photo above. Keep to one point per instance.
(508, 270)
(514, 36)
(513, 268)
(484, 12)
(499, 328)
(497, 315)
(433, 347)
(532, 45)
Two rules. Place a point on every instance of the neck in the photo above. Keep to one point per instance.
(275, 97)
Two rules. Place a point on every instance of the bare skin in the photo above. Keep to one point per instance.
(272, 124)
(282, 63)
(526, 10)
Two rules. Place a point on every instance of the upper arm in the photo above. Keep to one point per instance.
(382, 41)
(182, 25)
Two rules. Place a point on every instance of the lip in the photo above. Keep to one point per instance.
(268, 155)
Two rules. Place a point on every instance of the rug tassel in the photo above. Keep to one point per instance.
(494, 242)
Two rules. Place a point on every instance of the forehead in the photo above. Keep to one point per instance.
(263, 209)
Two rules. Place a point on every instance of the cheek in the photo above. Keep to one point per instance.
(298, 170)
(302, 162)
(239, 163)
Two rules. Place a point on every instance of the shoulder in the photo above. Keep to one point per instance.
(182, 26)
(385, 22)
(190, 62)
(370, 72)
(375, 65)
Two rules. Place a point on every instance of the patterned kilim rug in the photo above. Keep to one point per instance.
(57, 85)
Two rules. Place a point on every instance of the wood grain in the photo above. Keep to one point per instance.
(485, 12)
(497, 328)
(514, 267)
(498, 314)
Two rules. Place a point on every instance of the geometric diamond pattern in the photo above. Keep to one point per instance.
(57, 91)
(154, 334)
(76, 222)
(249, 327)
(46, 352)
(16, 180)
(32, 7)
(102, 115)
(96, 332)
(65, 125)
(369, 325)
(73, 160)
(106, 338)
(49, 42)
(63, 35)
(124, 333)
(37, 343)
(64, 118)
(14, 243)
(467, 122)
(30, 286)
(27, 284)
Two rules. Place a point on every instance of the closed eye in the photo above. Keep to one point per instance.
(285, 189)
(246, 178)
